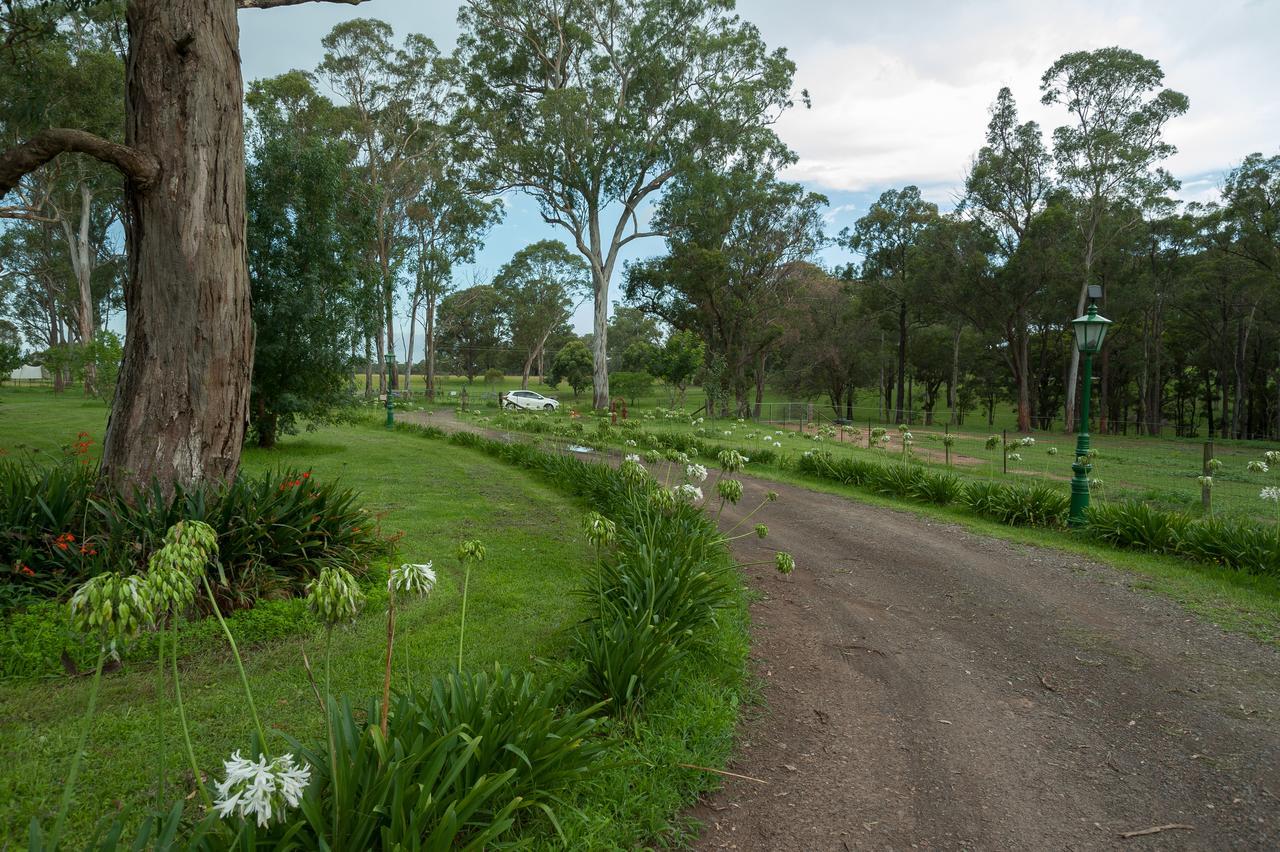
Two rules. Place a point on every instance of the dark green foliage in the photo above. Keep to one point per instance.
(626, 656)
(412, 789)
(1240, 545)
(656, 598)
(573, 365)
(307, 244)
(941, 489)
(275, 531)
(630, 385)
(1020, 505)
(518, 726)
(1136, 525)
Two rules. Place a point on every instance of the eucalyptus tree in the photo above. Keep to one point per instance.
(592, 107)
(398, 100)
(540, 287)
(1007, 185)
(885, 237)
(738, 240)
(73, 76)
(182, 400)
(449, 219)
(1109, 154)
(473, 328)
(828, 343)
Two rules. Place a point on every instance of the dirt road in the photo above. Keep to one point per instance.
(926, 688)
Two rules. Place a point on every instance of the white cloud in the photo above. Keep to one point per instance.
(901, 92)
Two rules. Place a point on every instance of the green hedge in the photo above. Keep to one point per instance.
(1239, 545)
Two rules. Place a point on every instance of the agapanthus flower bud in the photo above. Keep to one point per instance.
(168, 588)
(762, 531)
(731, 461)
(601, 531)
(687, 491)
(114, 607)
(412, 579)
(633, 473)
(729, 490)
(471, 549)
(1257, 467)
(334, 595)
(784, 562)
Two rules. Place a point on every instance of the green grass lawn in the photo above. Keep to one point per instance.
(435, 494)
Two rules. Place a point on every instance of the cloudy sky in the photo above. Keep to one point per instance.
(901, 90)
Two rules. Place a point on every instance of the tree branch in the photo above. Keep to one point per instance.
(272, 4)
(28, 156)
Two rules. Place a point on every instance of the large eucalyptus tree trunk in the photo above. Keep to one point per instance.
(182, 400)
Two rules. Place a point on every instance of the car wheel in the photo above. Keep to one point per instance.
(511, 406)
(548, 407)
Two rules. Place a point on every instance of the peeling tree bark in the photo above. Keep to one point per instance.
(183, 398)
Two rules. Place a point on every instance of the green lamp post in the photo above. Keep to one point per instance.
(1090, 331)
(391, 406)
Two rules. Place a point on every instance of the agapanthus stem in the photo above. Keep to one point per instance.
(69, 789)
(161, 710)
(462, 625)
(235, 653)
(386, 677)
(182, 721)
(747, 517)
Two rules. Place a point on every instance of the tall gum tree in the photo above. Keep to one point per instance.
(1111, 152)
(1007, 186)
(182, 400)
(591, 106)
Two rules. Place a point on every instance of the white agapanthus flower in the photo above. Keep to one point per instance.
(1257, 467)
(412, 579)
(696, 472)
(727, 433)
(631, 442)
(632, 457)
(1271, 456)
(778, 444)
(1015, 456)
(1028, 441)
(261, 789)
(688, 491)
(1271, 493)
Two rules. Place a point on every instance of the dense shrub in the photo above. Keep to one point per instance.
(60, 524)
(1019, 505)
(517, 726)
(1238, 544)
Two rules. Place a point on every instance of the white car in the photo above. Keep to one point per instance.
(529, 400)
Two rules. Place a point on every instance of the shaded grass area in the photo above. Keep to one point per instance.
(520, 604)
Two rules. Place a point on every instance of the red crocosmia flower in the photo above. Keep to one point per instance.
(306, 475)
(24, 569)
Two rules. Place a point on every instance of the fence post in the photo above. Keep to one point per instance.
(1206, 492)
(946, 445)
(868, 433)
(1004, 448)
